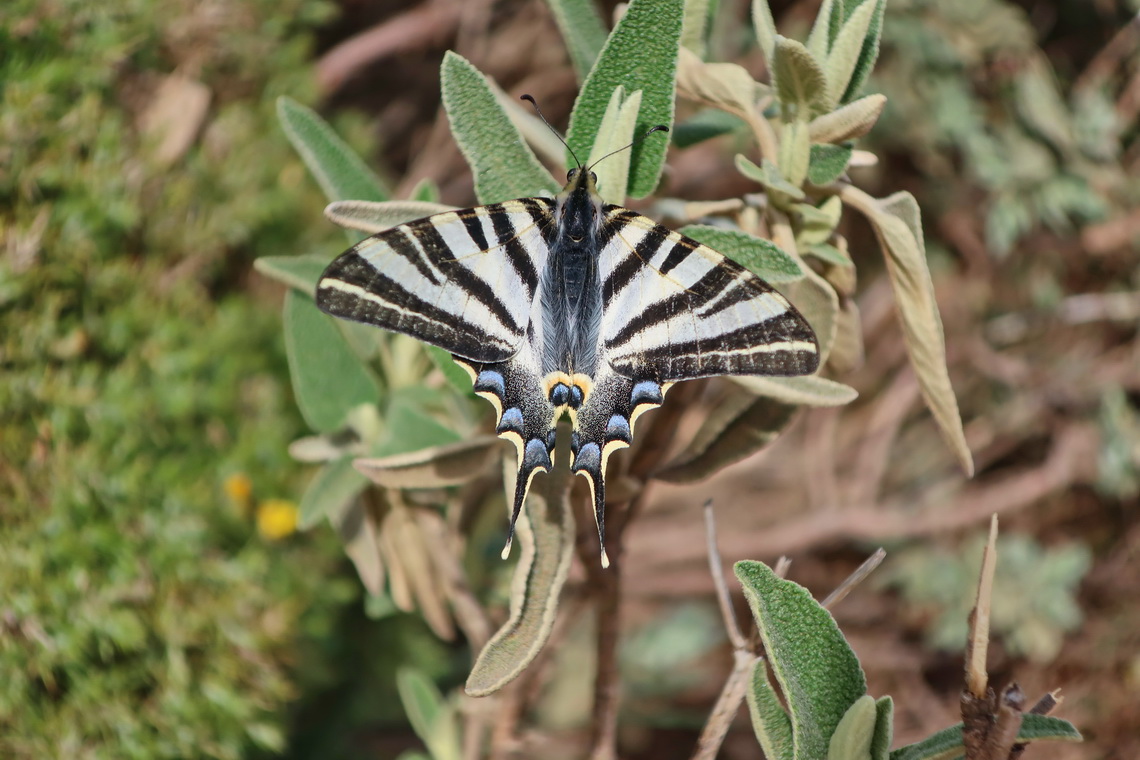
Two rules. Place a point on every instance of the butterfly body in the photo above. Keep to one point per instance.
(568, 306)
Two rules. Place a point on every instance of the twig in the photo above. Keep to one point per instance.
(1071, 459)
(722, 596)
(727, 705)
(853, 580)
(744, 656)
(978, 701)
(978, 644)
(874, 450)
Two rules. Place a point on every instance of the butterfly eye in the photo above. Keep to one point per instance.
(571, 174)
(594, 178)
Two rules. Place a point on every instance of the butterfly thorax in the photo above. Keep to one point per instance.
(571, 290)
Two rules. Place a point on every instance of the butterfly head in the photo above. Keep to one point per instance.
(579, 205)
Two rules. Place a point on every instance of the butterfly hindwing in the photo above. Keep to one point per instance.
(462, 280)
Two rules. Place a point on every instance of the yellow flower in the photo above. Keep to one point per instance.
(276, 518)
(239, 489)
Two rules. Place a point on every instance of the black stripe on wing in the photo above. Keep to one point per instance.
(351, 288)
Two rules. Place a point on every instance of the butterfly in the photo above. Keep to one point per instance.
(568, 306)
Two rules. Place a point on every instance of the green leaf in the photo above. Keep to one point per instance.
(846, 52)
(806, 390)
(705, 125)
(818, 673)
(849, 122)
(425, 191)
(410, 427)
(333, 487)
(545, 530)
(759, 256)
(794, 151)
(432, 719)
(769, 721)
(328, 378)
(828, 22)
(695, 26)
(947, 744)
(815, 225)
(800, 82)
(868, 55)
(615, 133)
(768, 175)
(371, 218)
(765, 28)
(853, 735)
(829, 254)
(582, 30)
(640, 54)
(504, 167)
(898, 226)
(884, 729)
(436, 467)
(298, 272)
(455, 375)
(337, 169)
(827, 163)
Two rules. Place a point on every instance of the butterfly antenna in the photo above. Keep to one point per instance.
(658, 128)
(537, 110)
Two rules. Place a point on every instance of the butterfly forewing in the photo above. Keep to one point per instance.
(461, 280)
(675, 309)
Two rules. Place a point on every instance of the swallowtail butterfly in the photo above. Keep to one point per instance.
(568, 305)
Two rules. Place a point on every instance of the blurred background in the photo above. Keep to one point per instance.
(156, 599)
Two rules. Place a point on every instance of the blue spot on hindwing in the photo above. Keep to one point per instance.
(491, 381)
(646, 392)
(617, 429)
(560, 394)
(589, 459)
(535, 456)
(512, 420)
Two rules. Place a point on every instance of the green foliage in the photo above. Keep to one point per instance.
(503, 165)
(947, 743)
(1043, 157)
(144, 615)
(1034, 604)
(828, 714)
(583, 30)
(1118, 465)
(816, 670)
(639, 55)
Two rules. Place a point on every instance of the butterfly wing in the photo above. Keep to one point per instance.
(461, 280)
(674, 309)
(465, 281)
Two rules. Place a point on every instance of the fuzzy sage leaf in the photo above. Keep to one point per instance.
(336, 167)
(947, 744)
(769, 721)
(816, 670)
(640, 54)
(328, 378)
(545, 530)
(582, 30)
(504, 167)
